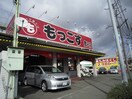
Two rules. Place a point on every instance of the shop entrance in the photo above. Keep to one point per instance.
(36, 59)
(60, 65)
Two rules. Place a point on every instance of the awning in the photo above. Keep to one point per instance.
(35, 44)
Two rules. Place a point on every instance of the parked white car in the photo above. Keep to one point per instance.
(113, 70)
(46, 77)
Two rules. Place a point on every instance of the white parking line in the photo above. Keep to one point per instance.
(73, 93)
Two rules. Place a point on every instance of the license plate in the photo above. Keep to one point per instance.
(64, 83)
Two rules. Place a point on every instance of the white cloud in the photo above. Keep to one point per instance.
(86, 17)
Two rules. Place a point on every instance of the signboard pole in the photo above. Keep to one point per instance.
(118, 42)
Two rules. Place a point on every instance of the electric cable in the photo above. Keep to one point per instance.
(30, 9)
(9, 15)
(45, 12)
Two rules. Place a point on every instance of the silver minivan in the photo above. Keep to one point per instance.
(46, 77)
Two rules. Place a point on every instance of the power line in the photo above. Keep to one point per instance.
(30, 9)
(9, 15)
(45, 12)
(124, 24)
(3, 17)
(119, 12)
(57, 17)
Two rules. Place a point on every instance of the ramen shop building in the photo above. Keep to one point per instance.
(48, 44)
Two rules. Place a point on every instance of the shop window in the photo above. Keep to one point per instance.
(60, 65)
(71, 64)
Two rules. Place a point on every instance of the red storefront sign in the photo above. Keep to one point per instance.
(49, 32)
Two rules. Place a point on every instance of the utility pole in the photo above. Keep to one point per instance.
(15, 35)
(13, 75)
(130, 47)
(119, 14)
(118, 43)
(15, 44)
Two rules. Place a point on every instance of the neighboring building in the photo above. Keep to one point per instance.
(2, 29)
(107, 62)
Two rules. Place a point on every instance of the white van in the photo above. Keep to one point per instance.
(86, 68)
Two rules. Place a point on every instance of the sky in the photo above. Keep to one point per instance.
(88, 17)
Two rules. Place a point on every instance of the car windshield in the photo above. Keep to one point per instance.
(102, 68)
(89, 67)
(113, 67)
(51, 70)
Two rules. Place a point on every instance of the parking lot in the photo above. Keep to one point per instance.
(92, 88)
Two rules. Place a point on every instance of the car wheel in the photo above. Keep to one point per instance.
(44, 86)
(25, 82)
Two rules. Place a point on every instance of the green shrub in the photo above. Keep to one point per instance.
(121, 91)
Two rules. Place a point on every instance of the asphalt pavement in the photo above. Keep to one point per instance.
(86, 88)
